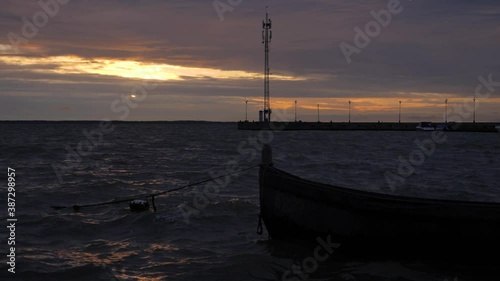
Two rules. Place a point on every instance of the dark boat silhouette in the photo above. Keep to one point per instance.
(296, 208)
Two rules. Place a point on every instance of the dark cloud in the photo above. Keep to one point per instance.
(430, 47)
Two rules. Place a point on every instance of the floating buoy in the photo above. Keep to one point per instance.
(139, 205)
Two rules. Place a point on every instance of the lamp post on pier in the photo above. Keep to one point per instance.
(318, 112)
(349, 111)
(446, 111)
(474, 115)
(246, 110)
(399, 111)
(295, 110)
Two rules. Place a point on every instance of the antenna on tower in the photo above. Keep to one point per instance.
(266, 39)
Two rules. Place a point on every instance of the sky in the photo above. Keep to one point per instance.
(202, 59)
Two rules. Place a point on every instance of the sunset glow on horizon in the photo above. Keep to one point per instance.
(340, 106)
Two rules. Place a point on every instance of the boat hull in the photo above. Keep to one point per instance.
(294, 208)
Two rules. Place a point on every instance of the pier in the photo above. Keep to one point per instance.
(362, 126)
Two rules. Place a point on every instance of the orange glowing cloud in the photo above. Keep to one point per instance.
(130, 69)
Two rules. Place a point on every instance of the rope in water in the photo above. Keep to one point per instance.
(151, 195)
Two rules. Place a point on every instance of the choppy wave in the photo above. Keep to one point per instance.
(219, 242)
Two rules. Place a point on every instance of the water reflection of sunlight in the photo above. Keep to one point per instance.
(118, 257)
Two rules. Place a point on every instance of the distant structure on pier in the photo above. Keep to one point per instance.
(267, 35)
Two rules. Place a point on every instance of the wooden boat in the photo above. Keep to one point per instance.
(296, 208)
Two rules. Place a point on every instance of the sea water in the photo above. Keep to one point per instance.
(208, 232)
